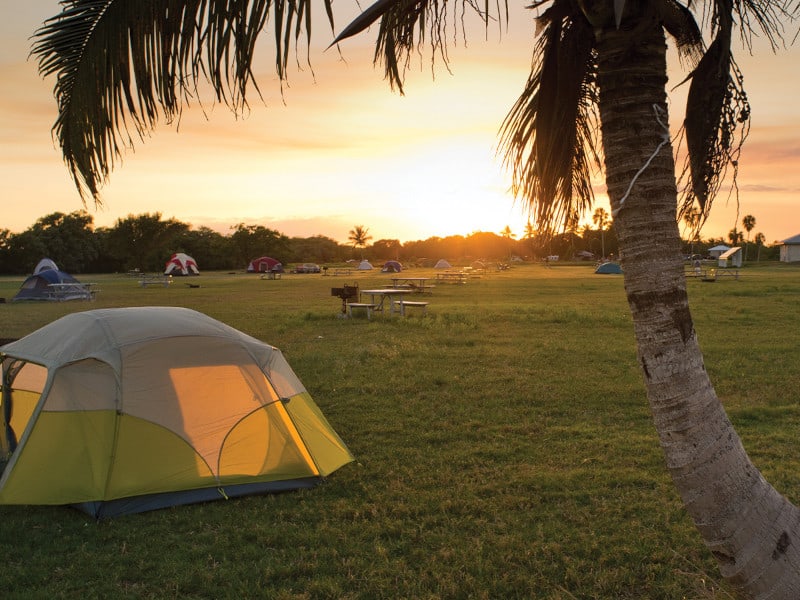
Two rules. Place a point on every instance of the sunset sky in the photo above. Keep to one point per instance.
(341, 149)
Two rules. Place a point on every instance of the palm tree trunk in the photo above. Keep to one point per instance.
(749, 527)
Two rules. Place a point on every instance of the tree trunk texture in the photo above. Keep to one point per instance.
(751, 529)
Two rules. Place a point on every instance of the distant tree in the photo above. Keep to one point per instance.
(692, 217)
(359, 237)
(748, 222)
(253, 241)
(530, 236)
(387, 249)
(5, 251)
(25, 249)
(209, 248)
(68, 239)
(318, 248)
(759, 239)
(508, 235)
(601, 219)
(734, 236)
(144, 241)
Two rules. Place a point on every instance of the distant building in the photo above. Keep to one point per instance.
(731, 258)
(790, 249)
(718, 251)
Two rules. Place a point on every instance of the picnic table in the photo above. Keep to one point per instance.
(452, 277)
(61, 292)
(395, 297)
(416, 284)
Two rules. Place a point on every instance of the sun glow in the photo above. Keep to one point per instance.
(335, 147)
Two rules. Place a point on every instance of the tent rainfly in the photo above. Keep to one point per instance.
(45, 264)
(442, 264)
(364, 265)
(124, 410)
(181, 264)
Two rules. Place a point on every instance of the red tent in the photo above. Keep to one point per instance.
(264, 264)
(181, 264)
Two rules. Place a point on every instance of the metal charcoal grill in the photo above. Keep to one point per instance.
(346, 293)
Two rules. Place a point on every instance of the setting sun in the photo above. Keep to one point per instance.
(336, 146)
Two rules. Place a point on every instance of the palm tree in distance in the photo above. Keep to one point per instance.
(509, 235)
(601, 219)
(749, 223)
(759, 240)
(359, 237)
(595, 99)
(692, 216)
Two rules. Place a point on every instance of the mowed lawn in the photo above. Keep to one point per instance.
(504, 446)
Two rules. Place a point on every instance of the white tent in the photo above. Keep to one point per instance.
(364, 265)
(442, 264)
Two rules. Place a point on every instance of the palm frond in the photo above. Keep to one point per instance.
(763, 18)
(549, 136)
(717, 119)
(407, 25)
(680, 23)
(120, 66)
(365, 19)
(717, 110)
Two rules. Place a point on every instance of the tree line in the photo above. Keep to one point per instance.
(146, 241)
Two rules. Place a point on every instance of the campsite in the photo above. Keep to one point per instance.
(503, 445)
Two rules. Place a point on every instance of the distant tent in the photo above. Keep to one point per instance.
(265, 264)
(124, 410)
(478, 265)
(364, 265)
(36, 287)
(45, 265)
(181, 264)
(609, 268)
(442, 264)
(392, 266)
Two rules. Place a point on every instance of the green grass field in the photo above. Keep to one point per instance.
(504, 447)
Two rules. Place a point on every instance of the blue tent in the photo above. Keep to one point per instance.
(392, 266)
(36, 287)
(609, 268)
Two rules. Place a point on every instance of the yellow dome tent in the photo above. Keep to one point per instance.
(124, 410)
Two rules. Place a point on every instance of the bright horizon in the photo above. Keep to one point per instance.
(341, 149)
